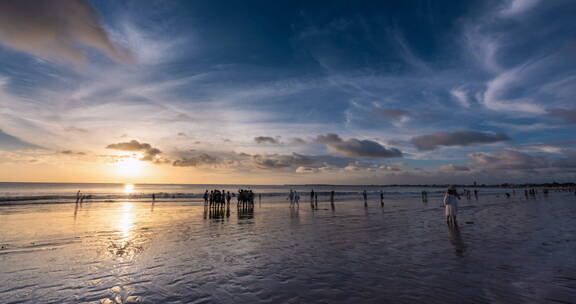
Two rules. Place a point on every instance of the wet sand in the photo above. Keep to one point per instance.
(505, 251)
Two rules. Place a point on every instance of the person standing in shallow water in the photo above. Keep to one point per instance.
(451, 205)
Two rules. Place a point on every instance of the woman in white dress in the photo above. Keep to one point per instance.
(451, 205)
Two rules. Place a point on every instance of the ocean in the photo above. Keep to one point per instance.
(42, 193)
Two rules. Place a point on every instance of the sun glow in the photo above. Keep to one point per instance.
(130, 167)
(128, 188)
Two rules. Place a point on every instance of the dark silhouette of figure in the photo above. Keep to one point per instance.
(332, 199)
(312, 199)
(382, 198)
(476, 194)
(424, 195)
(291, 197)
(365, 195)
(206, 195)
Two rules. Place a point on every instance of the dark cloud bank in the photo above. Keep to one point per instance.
(266, 140)
(356, 148)
(457, 138)
(149, 152)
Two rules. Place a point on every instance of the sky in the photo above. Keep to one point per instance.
(288, 92)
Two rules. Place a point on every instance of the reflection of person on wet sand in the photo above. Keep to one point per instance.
(451, 205)
(456, 240)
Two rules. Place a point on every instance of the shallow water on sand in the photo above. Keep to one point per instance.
(505, 251)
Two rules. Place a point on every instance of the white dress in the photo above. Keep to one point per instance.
(451, 204)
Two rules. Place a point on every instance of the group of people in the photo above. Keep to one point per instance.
(294, 198)
(217, 198)
(451, 198)
(245, 198)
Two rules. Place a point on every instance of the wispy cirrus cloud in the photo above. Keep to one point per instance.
(11, 143)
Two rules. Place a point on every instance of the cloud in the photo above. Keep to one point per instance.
(70, 152)
(149, 153)
(244, 162)
(202, 159)
(11, 143)
(56, 29)
(516, 7)
(266, 140)
(356, 148)
(457, 138)
(495, 96)
(306, 170)
(521, 161)
(568, 115)
(461, 97)
(453, 168)
(298, 141)
(275, 161)
(512, 160)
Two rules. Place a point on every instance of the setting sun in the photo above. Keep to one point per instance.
(128, 188)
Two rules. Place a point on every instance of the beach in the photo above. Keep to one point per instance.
(514, 250)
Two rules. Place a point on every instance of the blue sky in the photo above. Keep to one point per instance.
(292, 91)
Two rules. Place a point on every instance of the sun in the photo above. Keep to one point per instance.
(130, 167)
(128, 188)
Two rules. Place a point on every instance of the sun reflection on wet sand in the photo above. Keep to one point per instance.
(126, 220)
(127, 243)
